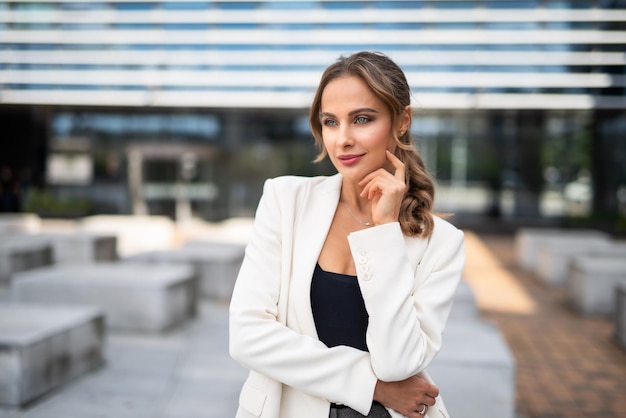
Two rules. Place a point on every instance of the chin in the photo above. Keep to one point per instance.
(353, 173)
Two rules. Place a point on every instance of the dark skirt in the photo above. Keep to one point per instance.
(377, 411)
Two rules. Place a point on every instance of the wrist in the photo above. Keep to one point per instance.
(384, 221)
(379, 390)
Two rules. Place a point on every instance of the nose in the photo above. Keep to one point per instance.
(344, 137)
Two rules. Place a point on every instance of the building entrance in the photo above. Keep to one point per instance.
(179, 181)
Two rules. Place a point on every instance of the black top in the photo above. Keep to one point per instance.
(338, 309)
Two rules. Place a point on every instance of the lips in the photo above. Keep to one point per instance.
(349, 159)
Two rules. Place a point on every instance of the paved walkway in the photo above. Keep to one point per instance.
(566, 365)
(185, 373)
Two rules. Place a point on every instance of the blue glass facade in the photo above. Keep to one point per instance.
(249, 69)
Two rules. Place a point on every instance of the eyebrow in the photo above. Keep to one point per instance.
(353, 112)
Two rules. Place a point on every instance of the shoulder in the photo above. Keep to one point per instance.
(446, 244)
(287, 195)
(445, 230)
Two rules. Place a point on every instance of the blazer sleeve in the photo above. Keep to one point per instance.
(408, 308)
(259, 338)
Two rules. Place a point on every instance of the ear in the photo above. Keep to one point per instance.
(404, 121)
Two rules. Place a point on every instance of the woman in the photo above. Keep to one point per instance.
(348, 280)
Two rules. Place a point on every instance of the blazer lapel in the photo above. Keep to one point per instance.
(312, 223)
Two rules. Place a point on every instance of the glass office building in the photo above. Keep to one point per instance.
(184, 107)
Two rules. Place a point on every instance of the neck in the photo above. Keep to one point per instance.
(353, 206)
(350, 195)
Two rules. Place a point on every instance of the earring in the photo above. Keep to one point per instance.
(401, 133)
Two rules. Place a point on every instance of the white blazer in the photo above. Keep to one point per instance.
(407, 284)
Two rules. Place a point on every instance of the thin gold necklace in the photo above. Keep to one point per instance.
(355, 218)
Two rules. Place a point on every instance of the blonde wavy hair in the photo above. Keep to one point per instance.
(388, 82)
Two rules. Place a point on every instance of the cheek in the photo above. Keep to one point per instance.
(330, 137)
(392, 145)
(326, 141)
(382, 139)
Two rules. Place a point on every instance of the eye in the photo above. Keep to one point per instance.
(329, 122)
(361, 119)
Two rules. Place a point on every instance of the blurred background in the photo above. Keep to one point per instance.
(135, 134)
(183, 108)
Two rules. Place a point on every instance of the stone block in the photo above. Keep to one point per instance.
(475, 371)
(554, 256)
(135, 297)
(22, 252)
(42, 347)
(591, 283)
(526, 241)
(216, 264)
(135, 233)
(232, 230)
(206, 244)
(82, 247)
(19, 223)
(76, 247)
(620, 315)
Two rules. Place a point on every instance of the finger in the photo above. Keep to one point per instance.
(372, 186)
(429, 389)
(366, 188)
(431, 394)
(399, 165)
(421, 410)
(376, 187)
(373, 175)
(371, 191)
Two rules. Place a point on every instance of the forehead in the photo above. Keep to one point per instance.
(348, 92)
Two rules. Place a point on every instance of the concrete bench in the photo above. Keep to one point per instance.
(142, 298)
(19, 223)
(43, 347)
(475, 371)
(592, 280)
(77, 247)
(620, 315)
(232, 230)
(554, 257)
(216, 264)
(82, 247)
(22, 252)
(134, 233)
(526, 241)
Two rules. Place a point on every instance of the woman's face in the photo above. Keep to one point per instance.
(356, 127)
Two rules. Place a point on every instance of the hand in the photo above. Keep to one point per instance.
(386, 191)
(408, 396)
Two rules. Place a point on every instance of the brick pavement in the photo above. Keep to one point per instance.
(567, 365)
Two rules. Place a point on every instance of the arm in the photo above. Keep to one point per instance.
(261, 341)
(408, 397)
(408, 309)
